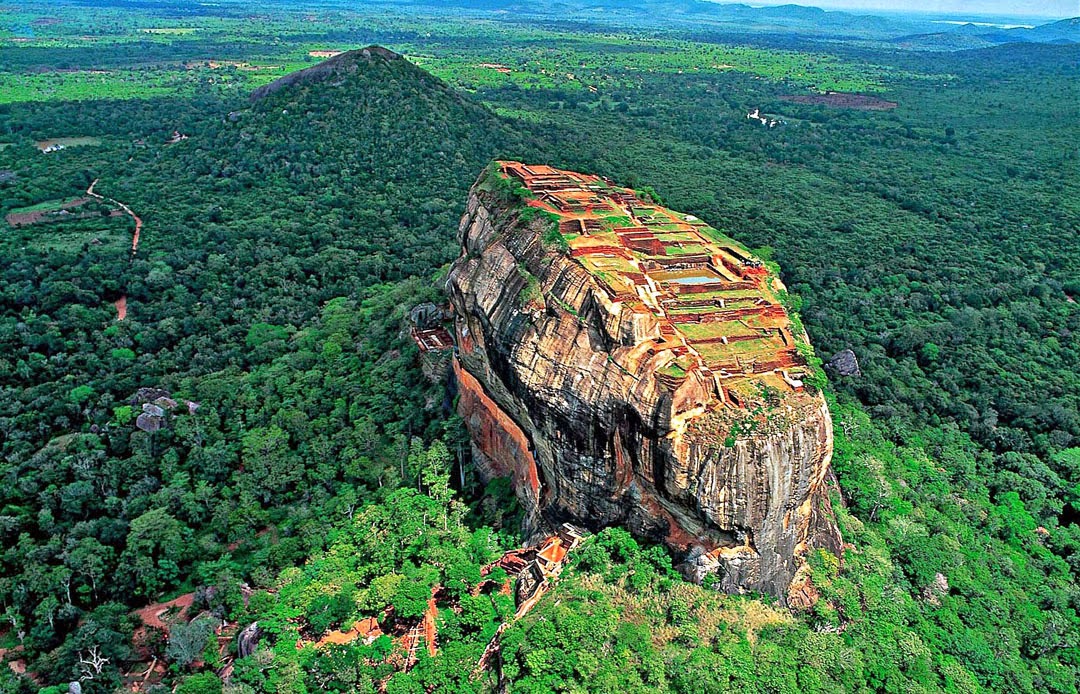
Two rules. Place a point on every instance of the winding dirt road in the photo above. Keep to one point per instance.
(121, 303)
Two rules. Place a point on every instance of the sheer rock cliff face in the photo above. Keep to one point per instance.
(559, 386)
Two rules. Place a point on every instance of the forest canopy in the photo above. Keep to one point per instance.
(285, 239)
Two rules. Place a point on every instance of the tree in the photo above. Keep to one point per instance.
(156, 544)
(91, 560)
(271, 462)
(201, 683)
(91, 663)
(188, 641)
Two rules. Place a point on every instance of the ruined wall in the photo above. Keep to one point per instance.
(547, 361)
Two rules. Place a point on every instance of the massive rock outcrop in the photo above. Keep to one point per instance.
(628, 365)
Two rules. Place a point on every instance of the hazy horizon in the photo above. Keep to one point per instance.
(1051, 9)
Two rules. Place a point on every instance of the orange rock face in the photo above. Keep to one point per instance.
(500, 446)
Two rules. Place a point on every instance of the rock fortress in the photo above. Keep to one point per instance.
(625, 364)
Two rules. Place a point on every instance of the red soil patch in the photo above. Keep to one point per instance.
(152, 615)
(18, 665)
(364, 630)
(121, 307)
(429, 626)
(859, 102)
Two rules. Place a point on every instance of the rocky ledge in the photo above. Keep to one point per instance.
(628, 365)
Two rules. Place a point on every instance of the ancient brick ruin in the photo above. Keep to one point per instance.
(712, 298)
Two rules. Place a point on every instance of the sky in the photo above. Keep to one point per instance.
(1035, 8)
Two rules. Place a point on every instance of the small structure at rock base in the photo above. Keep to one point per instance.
(427, 329)
(548, 564)
(534, 576)
(434, 340)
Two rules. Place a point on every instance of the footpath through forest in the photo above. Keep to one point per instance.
(121, 303)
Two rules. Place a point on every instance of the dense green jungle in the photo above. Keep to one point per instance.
(312, 473)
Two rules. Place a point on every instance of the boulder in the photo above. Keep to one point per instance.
(247, 640)
(426, 316)
(844, 363)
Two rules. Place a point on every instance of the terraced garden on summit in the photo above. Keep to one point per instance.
(718, 307)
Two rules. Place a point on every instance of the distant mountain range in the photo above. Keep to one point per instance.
(964, 36)
(810, 22)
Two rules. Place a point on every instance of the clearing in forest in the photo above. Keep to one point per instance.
(859, 102)
(55, 144)
(57, 211)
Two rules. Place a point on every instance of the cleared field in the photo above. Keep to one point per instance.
(72, 234)
(686, 249)
(859, 102)
(746, 351)
(57, 143)
(55, 211)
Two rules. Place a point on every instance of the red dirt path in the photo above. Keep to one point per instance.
(429, 626)
(126, 209)
(151, 614)
(121, 303)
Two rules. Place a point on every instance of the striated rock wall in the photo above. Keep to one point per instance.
(562, 389)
